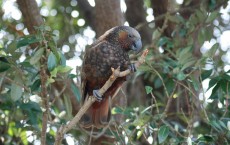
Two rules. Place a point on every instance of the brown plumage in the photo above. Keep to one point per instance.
(110, 50)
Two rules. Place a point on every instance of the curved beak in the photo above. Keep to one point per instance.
(137, 45)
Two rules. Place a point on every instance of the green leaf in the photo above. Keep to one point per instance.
(50, 80)
(117, 110)
(52, 63)
(148, 89)
(206, 74)
(212, 16)
(63, 69)
(163, 41)
(71, 76)
(163, 133)
(11, 47)
(156, 34)
(68, 106)
(144, 68)
(16, 91)
(206, 138)
(76, 92)
(23, 137)
(214, 94)
(222, 124)
(201, 36)
(63, 59)
(53, 73)
(195, 84)
(216, 125)
(4, 65)
(36, 85)
(27, 40)
(201, 15)
(184, 52)
(37, 56)
(181, 76)
(53, 47)
(224, 85)
(212, 82)
(226, 76)
(141, 120)
(188, 64)
(213, 50)
(157, 83)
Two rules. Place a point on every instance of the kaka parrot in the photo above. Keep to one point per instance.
(109, 51)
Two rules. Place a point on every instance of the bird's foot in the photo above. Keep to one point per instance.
(97, 95)
(132, 67)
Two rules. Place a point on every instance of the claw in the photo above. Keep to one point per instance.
(132, 67)
(97, 95)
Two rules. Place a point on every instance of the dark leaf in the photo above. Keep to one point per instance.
(215, 125)
(62, 58)
(206, 74)
(157, 83)
(212, 82)
(212, 16)
(206, 138)
(181, 76)
(36, 57)
(201, 36)
(214, 94)
(163, 133)
(36, 85)
(27, 40)
(117, 110)
(52, 63)
(76, 92)
(195, 84)
(16, 90)
(4, 65)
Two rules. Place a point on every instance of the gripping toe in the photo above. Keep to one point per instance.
(97, 95)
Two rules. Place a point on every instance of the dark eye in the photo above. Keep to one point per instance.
(129, 35)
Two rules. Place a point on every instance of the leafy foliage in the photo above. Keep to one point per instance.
(174, 77)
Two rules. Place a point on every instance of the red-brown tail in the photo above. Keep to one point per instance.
(98, 115)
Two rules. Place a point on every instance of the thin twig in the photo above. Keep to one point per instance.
(14, 82)
(201, 104)
(169, 101)
(59, 94)
(158, 74)
(154, 98)
(45, 102)
(44, 94)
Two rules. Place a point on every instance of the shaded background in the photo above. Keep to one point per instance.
(169, 98)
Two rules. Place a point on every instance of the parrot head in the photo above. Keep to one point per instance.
(126, 37)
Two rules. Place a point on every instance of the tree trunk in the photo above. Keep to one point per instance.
(136, 15)
(161, 7)
(31, 15)
(107, 15)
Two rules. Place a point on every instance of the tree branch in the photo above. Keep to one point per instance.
(115, 74)
(45, 102)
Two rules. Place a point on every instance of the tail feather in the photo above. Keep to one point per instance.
(98, 115)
